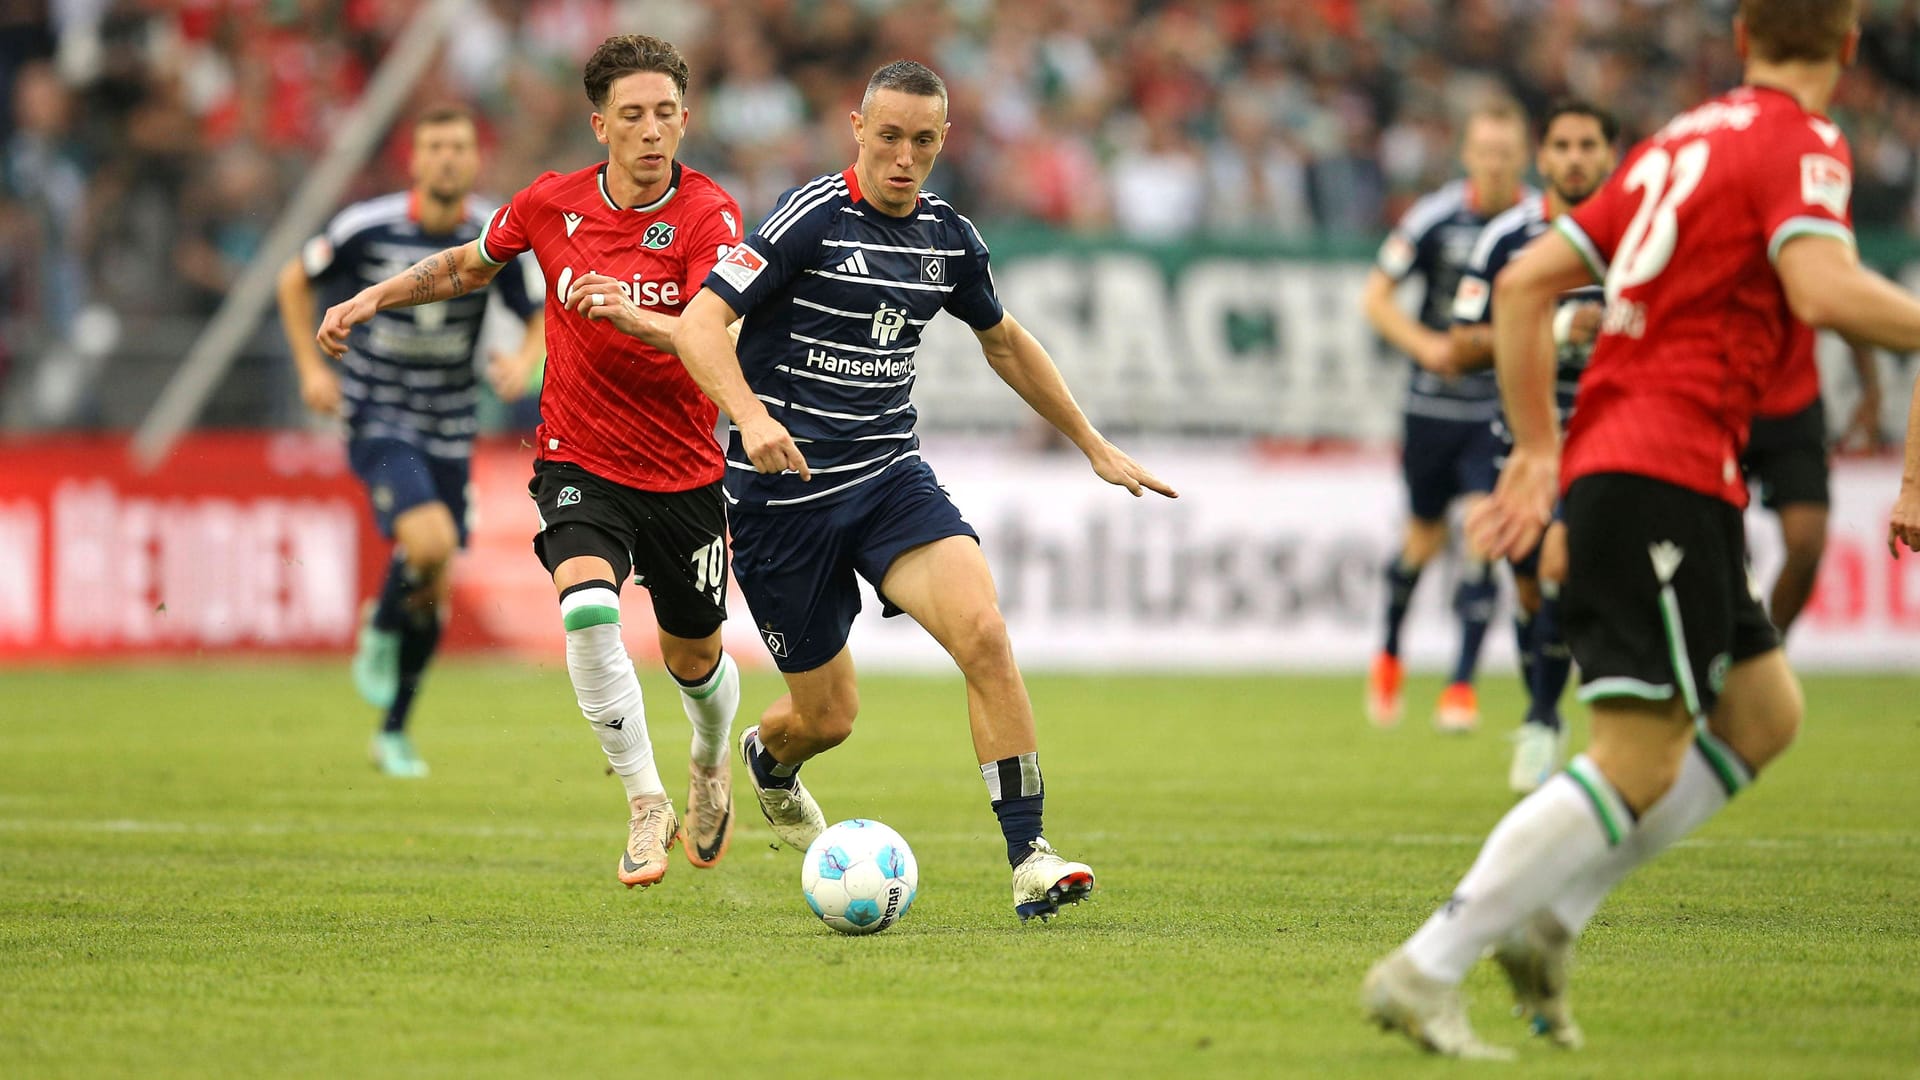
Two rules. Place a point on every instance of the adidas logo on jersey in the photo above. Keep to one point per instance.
(573, 221)
(854, 264)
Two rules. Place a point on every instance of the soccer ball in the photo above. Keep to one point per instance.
(859, 877)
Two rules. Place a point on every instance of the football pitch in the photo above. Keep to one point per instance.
(200, 875)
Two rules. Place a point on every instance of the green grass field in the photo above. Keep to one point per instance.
(200, 876)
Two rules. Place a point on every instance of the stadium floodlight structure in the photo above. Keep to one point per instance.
(213, 352)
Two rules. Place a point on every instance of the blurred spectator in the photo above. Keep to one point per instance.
(149, 146)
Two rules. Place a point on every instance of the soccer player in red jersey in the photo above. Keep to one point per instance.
(1786, 456)
(627, 471)
(1714, 236)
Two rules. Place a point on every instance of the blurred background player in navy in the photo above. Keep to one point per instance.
(1448, 448)
(407, 391)
(1576, 156)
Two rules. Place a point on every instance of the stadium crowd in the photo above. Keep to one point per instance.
(148, 144)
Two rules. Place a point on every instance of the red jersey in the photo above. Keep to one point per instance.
(1796, 384)
(1683, 236)
(618, 408)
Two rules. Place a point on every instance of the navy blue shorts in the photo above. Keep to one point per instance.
(1445, 459)
(400, 476)
(796, 567)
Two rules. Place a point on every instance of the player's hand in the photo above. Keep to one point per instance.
(507, 373)
(1586, 324)
(320, 390)
(1114, 466)
(1863, 427)
(1508, 523)
(1904, 526)
(597, 296)
(771, 449)
(340, 319)
(1437, 355)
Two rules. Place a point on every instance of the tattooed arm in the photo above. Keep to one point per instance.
(440, 276)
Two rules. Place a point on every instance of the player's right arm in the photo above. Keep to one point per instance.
(319, 386)
(1431, 349)
(443, 275)
(1828, 289)
(701, 341)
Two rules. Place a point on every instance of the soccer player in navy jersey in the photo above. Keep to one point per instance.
(1576, 156)
(1448, 448)
(626, 477)
(407, 392)
(824, 476)
(1714, 239)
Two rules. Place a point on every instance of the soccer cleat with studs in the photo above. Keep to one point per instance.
(796, 819)
(1535, 960)
(708, 827)
(651, 832)
(1044, 881)
(1397, 997)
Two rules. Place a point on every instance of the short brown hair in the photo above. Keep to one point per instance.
(1500, 110)
(1782, 30)
(618, 57)
(443, 114)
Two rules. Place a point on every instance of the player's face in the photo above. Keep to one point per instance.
(1575, 157)
(446, 159)
(641, 125)
(899, 135)
(1494, 153)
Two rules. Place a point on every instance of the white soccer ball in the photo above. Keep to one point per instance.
(859, 877)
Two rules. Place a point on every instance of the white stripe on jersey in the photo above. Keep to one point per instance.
(748, 466)
(358, 218)
(830, 242)
(806, 191)
(863, 317)
(881, 281)
(900, 408)
(842, 382)
(869, 350)
(797, 210)
(851, 483)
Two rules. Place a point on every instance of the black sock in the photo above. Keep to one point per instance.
(1473, 601)
(390, 609)
(1553, 663)
(769, 772)
(1016, 792)
(1401, 580)
(419, 636)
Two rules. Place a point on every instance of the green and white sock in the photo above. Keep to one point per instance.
(605, 684)
(710, 705)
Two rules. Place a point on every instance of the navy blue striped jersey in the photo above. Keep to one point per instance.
(408, 373)
(1499, 242)
(835, 295)
(1434, 239)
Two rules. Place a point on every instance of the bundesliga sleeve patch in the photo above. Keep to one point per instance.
(1396, 256)
(741, 266)
(316, 256)
(1470, 303)
(1825, 182)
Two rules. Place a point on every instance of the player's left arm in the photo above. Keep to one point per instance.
(1023, 364)
(1509, 523)
(1863, 427)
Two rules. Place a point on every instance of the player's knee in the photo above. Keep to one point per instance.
(690, 659)
(827, 724)
(980, 642)
(428, 545)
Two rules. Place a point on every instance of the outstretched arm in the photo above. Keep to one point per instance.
(319, 386)
(1022, 363)
(440, 276)
(701, 339)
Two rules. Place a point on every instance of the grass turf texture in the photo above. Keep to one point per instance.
(200, 875)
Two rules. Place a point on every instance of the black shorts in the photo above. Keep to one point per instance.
(1787, 457)
(675, 542)
(1658, 600)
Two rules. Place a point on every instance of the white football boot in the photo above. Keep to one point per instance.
(1043, 881)
(1431, 1013)
(795, 817)
(1536, 755)
(1536, 959)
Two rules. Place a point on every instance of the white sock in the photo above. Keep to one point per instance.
(1554, 834)
(710, 706)
(607, 688)
(1710, 776)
